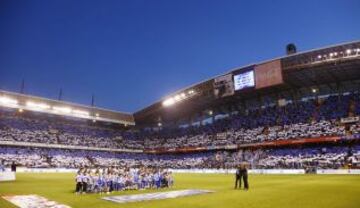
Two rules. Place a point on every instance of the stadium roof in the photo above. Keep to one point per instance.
(327, 66)
(58, 107)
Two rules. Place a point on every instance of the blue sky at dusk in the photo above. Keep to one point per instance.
(130, 53)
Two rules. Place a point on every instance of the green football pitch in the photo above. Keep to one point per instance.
(276, 191)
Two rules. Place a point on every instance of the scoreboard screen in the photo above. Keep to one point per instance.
(244, 80)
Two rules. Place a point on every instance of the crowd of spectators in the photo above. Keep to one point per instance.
(305, 119)
(75, 133)
(319, 156)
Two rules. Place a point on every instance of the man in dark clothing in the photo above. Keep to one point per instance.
(237, 178)
(13, 167)
(241, 174)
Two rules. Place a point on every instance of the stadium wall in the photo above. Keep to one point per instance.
(206, 171)
(232, 171)
(341, 171)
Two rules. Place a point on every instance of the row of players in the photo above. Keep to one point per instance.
(112, 179)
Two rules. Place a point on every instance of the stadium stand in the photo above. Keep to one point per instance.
(333, 157)
(269, 124)
(290, 122)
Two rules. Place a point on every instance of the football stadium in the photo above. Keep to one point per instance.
(280, 132)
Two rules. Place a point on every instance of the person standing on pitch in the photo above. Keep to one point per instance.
(13, 167)
(242, 174)
(237, 178)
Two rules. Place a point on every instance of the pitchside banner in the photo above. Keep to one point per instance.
(268, 74)
(7, 176)
(155, 196)
(33, 201)
(338, 171)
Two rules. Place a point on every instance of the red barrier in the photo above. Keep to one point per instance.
(256, 145)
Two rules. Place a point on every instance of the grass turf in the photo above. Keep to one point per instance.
(329, 191)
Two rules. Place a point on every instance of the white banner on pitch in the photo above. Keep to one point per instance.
(7, 176)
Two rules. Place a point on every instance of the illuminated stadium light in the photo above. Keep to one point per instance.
(314, 90)
(168, 102)
(37, 106)
(331, 54)
(159, 124)
(80, 112)
(211, 112)
(335, 53)
(319, 56)
(177, 98)
(191, 92)
(9, 102)
(62, 109)
(20, 110)
(348, 51)
(97, 115)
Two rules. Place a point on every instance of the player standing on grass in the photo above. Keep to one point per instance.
(78, 180)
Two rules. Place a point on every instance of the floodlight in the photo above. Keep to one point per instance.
(8, 102)
(36, 106)
(168, 102)
(177, 97)
(80, 112)
(62, 109)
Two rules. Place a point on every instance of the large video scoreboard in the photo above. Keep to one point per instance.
(258, 76)
(244, 80)
(249, 78)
